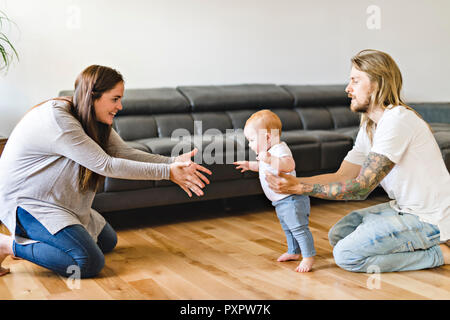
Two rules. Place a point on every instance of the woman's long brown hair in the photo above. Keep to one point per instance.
(90, 86)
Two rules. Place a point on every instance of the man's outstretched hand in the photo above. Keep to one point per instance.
(283, 183)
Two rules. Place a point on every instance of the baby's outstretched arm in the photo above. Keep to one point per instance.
(281, 164)
(247, 165)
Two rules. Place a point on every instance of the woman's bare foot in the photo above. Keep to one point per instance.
(305, 265)
(5, 250)
(445, 252)
(288, 257)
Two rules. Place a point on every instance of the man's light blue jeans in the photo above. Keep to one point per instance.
(293, 213)
(380, 239)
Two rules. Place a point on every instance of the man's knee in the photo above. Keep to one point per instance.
(346, 259)
(344, 227)
(333, 236)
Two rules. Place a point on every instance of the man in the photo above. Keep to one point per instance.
(395, 148)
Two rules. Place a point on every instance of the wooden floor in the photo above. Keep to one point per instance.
(204, 251)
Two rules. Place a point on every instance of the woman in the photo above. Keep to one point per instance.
(56, 158)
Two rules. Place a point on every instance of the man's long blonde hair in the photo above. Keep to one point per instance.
(385, 74)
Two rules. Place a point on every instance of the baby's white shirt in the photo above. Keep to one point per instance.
(279, 150)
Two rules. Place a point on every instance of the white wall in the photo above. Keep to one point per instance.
(182, 42)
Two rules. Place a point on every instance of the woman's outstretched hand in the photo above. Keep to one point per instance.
(284, 183)
(186, 156)
(187, 175)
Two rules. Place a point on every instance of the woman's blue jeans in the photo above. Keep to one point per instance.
(380, 239)
(71, 247)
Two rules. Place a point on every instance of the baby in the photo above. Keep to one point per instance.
(263, 131)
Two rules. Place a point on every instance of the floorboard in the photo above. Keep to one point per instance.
(204, 251)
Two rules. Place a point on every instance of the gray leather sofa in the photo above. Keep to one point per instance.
(318, 126)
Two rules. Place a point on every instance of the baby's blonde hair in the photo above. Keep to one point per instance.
(265, 119)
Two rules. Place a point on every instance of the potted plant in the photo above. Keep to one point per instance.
(7, 50)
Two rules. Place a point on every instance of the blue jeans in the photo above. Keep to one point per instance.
(293, 213)
(380, 239)
(68, 248)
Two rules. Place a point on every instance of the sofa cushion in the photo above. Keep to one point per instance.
(239, 117)
(168, 147)
(351, 132)
(315, 118)
(295, 137)
(343, 117)
(334, 147)
(433, 111)
(442, 139)
(235, 97)
(289, 118)
(438, 127)
(135, 127)
(214, 122)
(153, 101)
(317, 95)
(169, 125)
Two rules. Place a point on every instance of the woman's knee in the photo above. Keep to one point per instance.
(90, 264)
(107, 239)
(81, 263)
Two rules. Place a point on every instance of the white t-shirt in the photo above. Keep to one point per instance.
(419, 183)
(278, 150)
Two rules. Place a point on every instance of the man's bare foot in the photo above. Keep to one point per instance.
(288, 257)
(305, 265)
(5, 250)
(445, 252)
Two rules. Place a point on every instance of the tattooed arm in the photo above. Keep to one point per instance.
(374, 169)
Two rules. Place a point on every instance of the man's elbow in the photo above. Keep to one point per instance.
(363, 193)
(358, 190)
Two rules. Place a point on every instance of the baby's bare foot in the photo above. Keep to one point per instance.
(445, 248)
(305, 265)
(288, 257)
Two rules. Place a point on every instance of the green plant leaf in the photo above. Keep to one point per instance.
(5, 45)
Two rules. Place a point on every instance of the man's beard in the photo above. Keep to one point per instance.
(360, 108)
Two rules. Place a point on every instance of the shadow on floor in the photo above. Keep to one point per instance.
(161, 215)
(155, 216)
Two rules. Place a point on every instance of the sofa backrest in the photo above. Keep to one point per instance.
(158, 112)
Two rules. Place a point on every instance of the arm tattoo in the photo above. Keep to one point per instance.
(374, 169)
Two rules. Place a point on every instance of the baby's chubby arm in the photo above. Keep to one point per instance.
(247, 165)
(281, 164)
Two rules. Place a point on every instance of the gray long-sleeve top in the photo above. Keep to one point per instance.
(40, 164)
